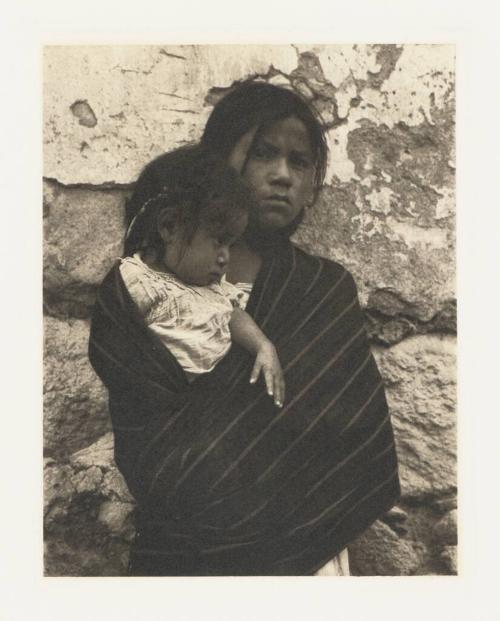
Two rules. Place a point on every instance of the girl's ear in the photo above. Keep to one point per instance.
(166, 225)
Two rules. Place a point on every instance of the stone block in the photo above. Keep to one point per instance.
(98, 454)
(116, 516)
(449, 559)
(58, 490)
(379, 551)
(445, 531)
(420, 380)
(88, 514)
(75, 401)
(83, 236)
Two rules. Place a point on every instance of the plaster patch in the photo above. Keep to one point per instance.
(344, 98)
(129, 83)
(367, 226)
(413, 236)
(368, 180)
(403, 258)
(369, 162)
(359, 202)
(421, 82)
(339, 164)
(410, 208)
(380, 200)
(445, 206)
(341, 62)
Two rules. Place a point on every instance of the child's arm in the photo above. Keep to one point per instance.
(247, 333)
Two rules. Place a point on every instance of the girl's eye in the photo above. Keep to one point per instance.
(300, 161)
(262, 152)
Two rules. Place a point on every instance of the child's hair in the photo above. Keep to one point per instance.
(258, 104)
(196, 189)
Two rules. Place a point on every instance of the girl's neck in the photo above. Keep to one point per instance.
(247, 255)
(244, 264)
(266, 242)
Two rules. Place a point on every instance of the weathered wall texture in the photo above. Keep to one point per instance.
(386, 213)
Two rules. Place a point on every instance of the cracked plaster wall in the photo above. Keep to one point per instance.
(386, 213)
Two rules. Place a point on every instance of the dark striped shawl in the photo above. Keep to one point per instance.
(226, 483)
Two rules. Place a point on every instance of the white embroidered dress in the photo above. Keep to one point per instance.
(191, 321)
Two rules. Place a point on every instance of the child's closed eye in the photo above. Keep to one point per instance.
(227, 239)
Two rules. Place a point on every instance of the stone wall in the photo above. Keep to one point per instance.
(386, 213)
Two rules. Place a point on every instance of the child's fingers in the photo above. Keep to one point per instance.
(268, 376)
(254, 375)
(273, 378)
(279, 390)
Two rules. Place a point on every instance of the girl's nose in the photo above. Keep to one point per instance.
(280, 172)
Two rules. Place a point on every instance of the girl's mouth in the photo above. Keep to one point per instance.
(279, 199)
(278, 203)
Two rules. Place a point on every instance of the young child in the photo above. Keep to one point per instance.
(180, 244)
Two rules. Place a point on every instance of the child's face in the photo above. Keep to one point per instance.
(204, 260)
(280, 171)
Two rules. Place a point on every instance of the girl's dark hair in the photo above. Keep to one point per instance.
(258, 104)
(195, 187)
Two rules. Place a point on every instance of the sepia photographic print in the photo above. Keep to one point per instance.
(188, 191)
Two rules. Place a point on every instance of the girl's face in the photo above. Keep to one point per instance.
(280, 170)
(204, 259)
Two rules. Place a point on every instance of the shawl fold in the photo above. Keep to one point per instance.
(226, 483)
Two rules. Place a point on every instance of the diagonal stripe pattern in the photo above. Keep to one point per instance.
(226, 484)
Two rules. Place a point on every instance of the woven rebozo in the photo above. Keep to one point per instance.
(226, 483)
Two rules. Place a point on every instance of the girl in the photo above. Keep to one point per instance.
(223, 487)
(176, 274)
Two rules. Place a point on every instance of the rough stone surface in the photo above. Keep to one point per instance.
(386, 213)
(115, 515)
(88, 514)
(397, 518)
(75, 402)
(446, 529)
(382, 552)
(403, 542)
(83, 234)
(449, 559)
(388, 330)
(90, 552)
(420, 381)
(446, 503)
(58, 490)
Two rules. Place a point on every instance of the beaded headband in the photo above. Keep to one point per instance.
(142, 210)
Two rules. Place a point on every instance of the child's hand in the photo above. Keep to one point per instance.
(268, 362)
